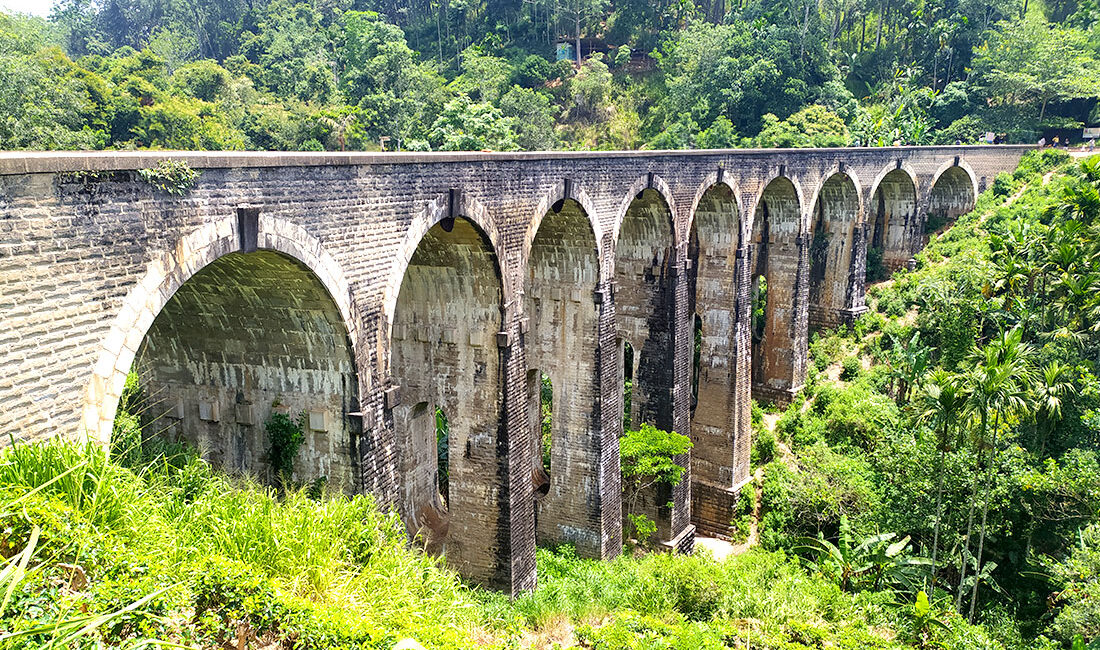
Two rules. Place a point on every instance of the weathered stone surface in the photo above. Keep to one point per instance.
(367, 290)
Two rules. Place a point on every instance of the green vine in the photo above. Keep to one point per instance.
(285, 437)
(172, 176)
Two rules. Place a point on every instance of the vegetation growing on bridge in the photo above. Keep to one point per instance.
(359, 74)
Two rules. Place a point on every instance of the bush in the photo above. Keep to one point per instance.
(229, 547)
(533, 71)
(1003, 184)
(851, 367)
(763, 451)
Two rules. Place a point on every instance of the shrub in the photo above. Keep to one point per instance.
(284, 437)
(172, 176)
(764, 450)
(851, 367)
(775, 506)
(1003, 184)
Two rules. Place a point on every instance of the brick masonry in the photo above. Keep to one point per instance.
(367, 290)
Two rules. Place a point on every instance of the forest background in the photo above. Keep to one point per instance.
(481, 74)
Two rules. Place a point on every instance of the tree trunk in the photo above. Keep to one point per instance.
(881, 12)
(577, 28)
(985, 513)
(939, 513)
(970, 516)
(439, 32)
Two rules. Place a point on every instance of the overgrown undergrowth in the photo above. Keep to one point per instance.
(219, 562)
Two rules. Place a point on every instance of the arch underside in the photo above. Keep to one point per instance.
(952, 195)
(249, 335)
(892, 213)
(644, 304)
(563, 341)
(777, 256)
(720, 455)
(714, 297)
(832, 224)
(645, 318)
(445, 356)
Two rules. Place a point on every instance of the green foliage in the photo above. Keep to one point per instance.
(649, 453)
(741, 70)
(273, 74)
(194, 557)
(813, 126)
(464, 125)
(763, 450)
(668, 601)
(850, 368)
(284, 437)
(870, 563)
(743, 515)
(1028, 63)
(172, 176)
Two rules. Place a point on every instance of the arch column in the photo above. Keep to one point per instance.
(681, 531)
(568, 334)
(651, 307)
(781, 255)
(719, 422)
(454, 331)
(855, 297)
(608, 414)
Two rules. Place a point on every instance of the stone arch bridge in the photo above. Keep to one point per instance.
(375, 293)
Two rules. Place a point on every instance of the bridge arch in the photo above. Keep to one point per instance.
(561, 192)
(776, 296)
(716, 276)
(195, 252)
(708, 185)
(645, 319)
(643, 183)
(447, 368)
(645, 250)
(952, 192)
(890, 217)
(562, 344)
(837, 212)
(444, 206)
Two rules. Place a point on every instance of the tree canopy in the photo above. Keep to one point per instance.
(363, 74)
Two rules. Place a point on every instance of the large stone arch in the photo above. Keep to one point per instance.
(164, 276)
(645, 252)
(720, 411)
(952, 192)
(445, 357)
(564, 190)
(645, 182)
(890, 216)
(779, 258)
(563, 342)
(445, 206)
(835, 217)
(645, 284)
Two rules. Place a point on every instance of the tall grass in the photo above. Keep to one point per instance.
(338, 561)
(757, 585)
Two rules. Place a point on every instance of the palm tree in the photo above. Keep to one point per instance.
(943, 401)
(1054, 382)
(998, 383)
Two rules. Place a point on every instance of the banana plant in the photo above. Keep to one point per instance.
(872, 561)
